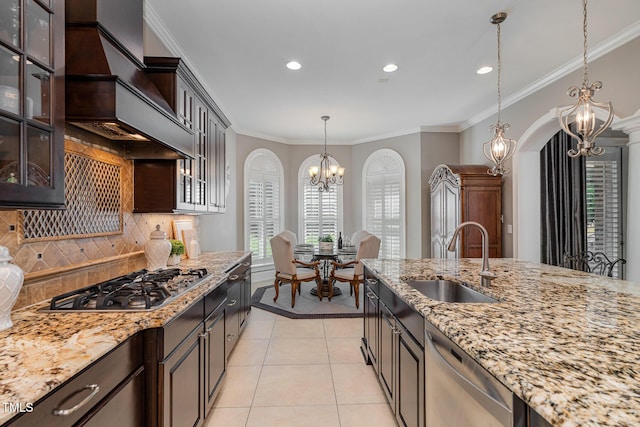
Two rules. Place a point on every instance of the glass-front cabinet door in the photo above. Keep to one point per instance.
(31, 103)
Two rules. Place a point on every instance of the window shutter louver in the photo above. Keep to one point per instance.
(604, 210)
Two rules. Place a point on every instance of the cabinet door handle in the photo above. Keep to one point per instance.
(203, 335)
(209, 330)
(232, 303)
(246, 264)
(234, 277)
(230, 337)
(95, 389)
(396, 330)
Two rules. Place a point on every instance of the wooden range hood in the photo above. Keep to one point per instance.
(107, 89)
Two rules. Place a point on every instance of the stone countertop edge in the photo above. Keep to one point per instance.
(42, 350)
(564, 341)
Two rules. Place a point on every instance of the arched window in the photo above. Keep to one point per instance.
(264, 198)
(383, 178)
(319, 212)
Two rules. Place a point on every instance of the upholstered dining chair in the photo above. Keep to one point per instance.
(353, 271)
(291, 270)
(358, 236)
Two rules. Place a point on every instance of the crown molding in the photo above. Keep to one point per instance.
(612, 43)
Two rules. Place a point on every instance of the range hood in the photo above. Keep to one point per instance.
(107, 90)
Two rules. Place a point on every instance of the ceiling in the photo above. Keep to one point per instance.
(239, 48)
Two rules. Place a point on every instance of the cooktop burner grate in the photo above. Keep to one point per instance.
(140, 290)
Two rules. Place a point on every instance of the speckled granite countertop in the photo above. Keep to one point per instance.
(42, 350)
(566, 342)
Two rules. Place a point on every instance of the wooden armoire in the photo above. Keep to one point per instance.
(462, 193)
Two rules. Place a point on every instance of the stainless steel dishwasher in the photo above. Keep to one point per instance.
(461, 393)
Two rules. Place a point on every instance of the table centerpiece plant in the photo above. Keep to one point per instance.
(325, 243)
(177, 250)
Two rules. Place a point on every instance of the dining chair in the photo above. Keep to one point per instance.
(592, 262)
(291, 270)
(353, 271)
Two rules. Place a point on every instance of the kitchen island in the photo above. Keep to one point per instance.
(565, 342)
(44, 349)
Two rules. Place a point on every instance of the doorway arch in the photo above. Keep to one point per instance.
(526, 182)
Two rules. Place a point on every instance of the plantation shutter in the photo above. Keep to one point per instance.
(384, 203)
(320, 211)
(604, 210)
(263, 206)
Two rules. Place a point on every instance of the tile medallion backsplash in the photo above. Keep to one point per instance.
(114, 254)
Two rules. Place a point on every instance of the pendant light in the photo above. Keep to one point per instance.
(583, 113)
(327, 174)
(500, 148)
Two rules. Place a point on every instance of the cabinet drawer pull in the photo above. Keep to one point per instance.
(209, 330)
(246, 264)
(232, 303)
(203, 335)
(396, 331)
(372, 281)
(234, 277)
(95, 389)
(372, 296)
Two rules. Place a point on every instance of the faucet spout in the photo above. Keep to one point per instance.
(486, 275)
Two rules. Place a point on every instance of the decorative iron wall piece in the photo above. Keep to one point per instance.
(93, 203)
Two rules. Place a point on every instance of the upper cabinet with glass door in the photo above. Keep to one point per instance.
(31, 103)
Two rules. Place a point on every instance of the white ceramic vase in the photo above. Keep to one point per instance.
(11, 278)
(157, 250)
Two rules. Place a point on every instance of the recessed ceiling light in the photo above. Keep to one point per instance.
(389, 68)
(294, 65)
(484, 70)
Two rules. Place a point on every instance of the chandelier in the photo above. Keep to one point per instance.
(583, 113)
(500, 148)
(327, 174)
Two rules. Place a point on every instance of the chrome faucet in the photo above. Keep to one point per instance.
(485, 274)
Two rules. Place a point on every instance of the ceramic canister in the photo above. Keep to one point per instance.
(11, 278)
(157, 250)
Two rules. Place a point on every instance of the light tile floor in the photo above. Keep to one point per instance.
(290, 373)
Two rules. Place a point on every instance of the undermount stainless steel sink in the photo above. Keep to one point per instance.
(448, 291)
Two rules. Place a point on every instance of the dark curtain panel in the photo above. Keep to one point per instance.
(563, 204)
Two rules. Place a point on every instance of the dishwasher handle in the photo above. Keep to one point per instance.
(495, 407)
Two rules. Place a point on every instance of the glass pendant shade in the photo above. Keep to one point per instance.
(326, 174)
(500, 148)
(584, 112)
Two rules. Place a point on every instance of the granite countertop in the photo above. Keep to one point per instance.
(566, 342)
(44, 349)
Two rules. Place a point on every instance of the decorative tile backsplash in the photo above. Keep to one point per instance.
(36, 258)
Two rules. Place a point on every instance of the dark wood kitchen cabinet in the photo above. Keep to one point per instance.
(394, 345)
(176, 365)
(109, 392)
(186, 361)
(32, 103)
(462, 193)
(238, 301)
(370, 342)
(195, 184)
